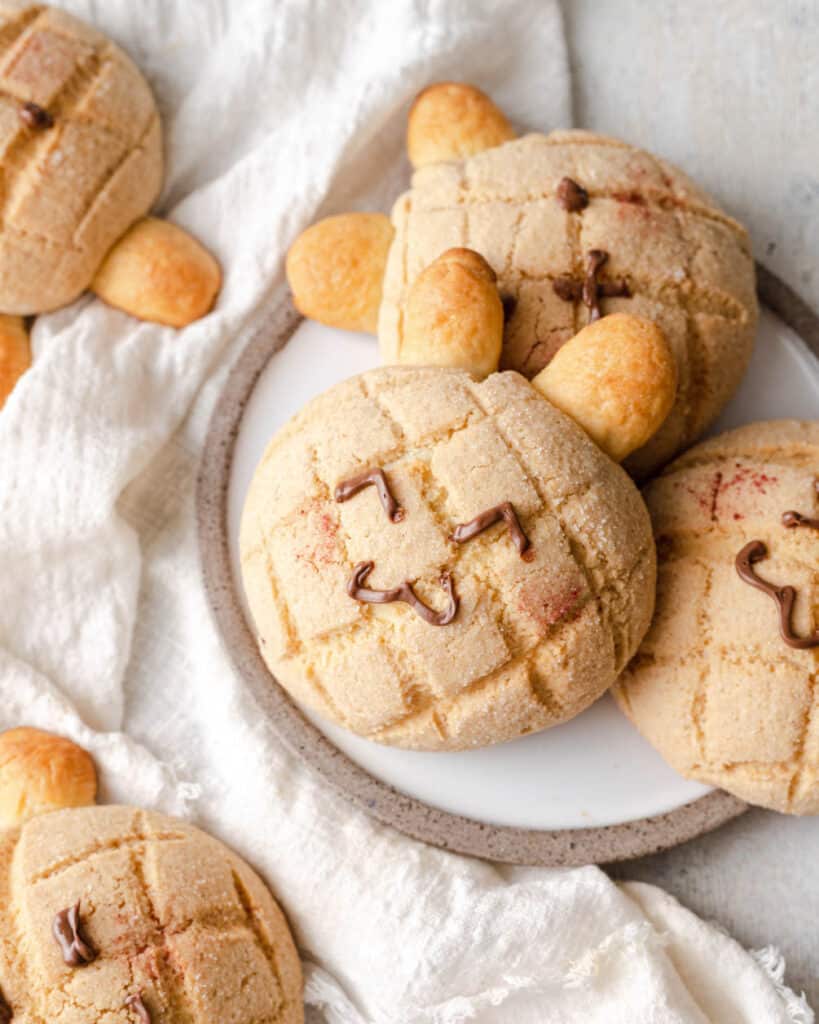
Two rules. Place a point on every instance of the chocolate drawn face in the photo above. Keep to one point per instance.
(463, 532)
(784, 597)
(484, 583)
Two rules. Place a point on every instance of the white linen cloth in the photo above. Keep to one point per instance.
(276, 113)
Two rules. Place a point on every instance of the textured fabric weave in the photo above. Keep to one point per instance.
(275, 114)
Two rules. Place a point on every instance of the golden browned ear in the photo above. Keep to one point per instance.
(40, 772)
(454, 315)
(15, 353)
(158, 272)
(335, 270)
(616, 379)
(452, 120)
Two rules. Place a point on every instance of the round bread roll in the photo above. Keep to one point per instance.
(576, 224)
(725, 683)
(41, 772)
(514, 558)
(81, 147)
(336, 267)
(454, 315)
(117, 914)
(451, 120)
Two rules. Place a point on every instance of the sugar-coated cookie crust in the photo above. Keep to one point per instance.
(714, 686)
(533, 643)
(687, 264)
(71, 190)
(170, 912)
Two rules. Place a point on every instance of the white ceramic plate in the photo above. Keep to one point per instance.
(594, 771)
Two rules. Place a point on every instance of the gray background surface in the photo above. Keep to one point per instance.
(729, 91)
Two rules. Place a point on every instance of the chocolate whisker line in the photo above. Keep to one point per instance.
(793, 519)
(357, 589)
(67, 932)
(371, 478)
(505, 512)
(784, 597)
(136, 1004)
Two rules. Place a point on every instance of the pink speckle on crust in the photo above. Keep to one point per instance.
(637, 213)
(320, 531)
(744, 482)
(703, 494)
(544, 605)
(715, 489)
(755, 479)
(636, 170)
(629, 197)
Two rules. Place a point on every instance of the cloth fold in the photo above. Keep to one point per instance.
(274, 115)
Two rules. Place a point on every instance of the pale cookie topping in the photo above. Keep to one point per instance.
(80, 142)
(506, 598)
(574, 224)
(116, 915)
(725, 683)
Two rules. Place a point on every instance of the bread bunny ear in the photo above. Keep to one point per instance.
(454, 315)
(452, 120)
(335, 269)
(15, 353)
(40, 772)
(616, 379)
(158, 272)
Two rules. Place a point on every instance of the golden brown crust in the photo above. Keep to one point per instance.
(158, 272)
(452, 120)
(454, 315)
(72, 186)
(15, 354)
(40, 772)
(170, 912)
(714, 686)
(336, 267)
(617, 379)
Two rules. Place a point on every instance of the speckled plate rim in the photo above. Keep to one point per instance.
(557, 848)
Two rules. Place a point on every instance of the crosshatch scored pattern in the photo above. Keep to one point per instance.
(170, 912)
(687, 264)
(533, 642)
(714, 687)
(70, 191)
